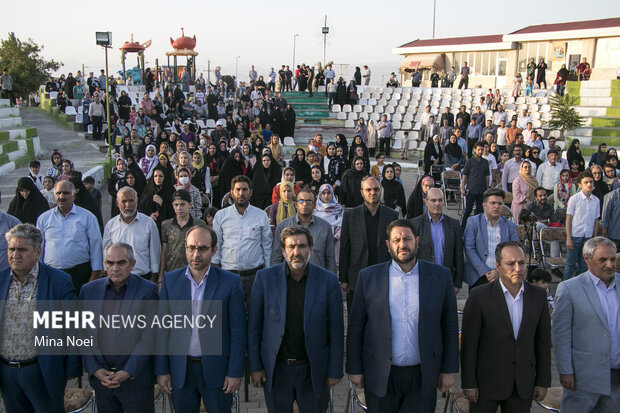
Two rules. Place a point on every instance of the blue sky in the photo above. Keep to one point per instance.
(261, 33)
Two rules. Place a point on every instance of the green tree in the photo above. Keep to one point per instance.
(25, 64)
(564, 116)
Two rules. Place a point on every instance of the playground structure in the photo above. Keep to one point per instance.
(134, 47)
(183, 46)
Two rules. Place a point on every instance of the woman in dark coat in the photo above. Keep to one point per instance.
(333, 166)
(116, 176)
(84, 200)
(357, 76)
(301, 167)
(352, 93)
(28, 202)
(393, 191)
(267, 175)
(350, 192)
(357, 141)
(233, 166)
(541, 74)
(288, 122)
(415, 203)
(432, 153)
(341, 141)
(341, 92)
(156, 200)
(574, 154)
(132, 180)
(318, 179)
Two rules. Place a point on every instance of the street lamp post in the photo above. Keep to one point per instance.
(325, 31)
(434, 9)
(237, 69)
(104, 39)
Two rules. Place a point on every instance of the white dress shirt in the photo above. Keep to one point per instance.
(611, 308)
(584, 211)
(197, 294)
(143, 236)
(515, 307)
(243, 241)
(548, 176)
(404, 296)
(494, 235)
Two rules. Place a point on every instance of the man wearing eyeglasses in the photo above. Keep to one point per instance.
(323, 249)
(199, 374)
(363, 237)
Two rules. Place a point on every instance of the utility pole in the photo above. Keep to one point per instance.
(294, 41)
(434, 9)
(325, 32)
(209, 71)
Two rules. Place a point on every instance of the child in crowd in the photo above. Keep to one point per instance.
(377, 169)
(48, 190)
(397, 171)
(35, 168)
(574, 170)
(89, 183)
(529, 85)
(542, 278)
(209, 215)
(404, 153)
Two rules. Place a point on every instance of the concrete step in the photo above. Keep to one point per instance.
(5, 103)
(9, 112)
(606, 132)
(6, 123)
(605, 122)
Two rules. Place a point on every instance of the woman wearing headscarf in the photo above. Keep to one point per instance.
(184, 182)
(66, 169)
(276, 150)
(350, 191)
(599, 156)
(28, 202)
(84, 200)
(372, 136)
(357, 141)
(523, 189)
(288, 175)
(199, 178)
(600, 186)
(156, 200)
(453, 155)
(574, 154)
(284, 207)
(341, 141)
(266, 176)
(333, 166)
(301, 167)
(534, 157)
(341, 92)
(126, 148)
(132, 179)
(148, 163)
(317, 179)
(143, 145)
(415, 203)
(432, 154)
(393, 192)
(288, 121)
(116, 176)
(563, 190)
(248, 155)
(258, 147)
(328, 208)
(233, 166)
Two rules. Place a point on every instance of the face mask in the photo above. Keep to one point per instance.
(184, 180)
(203, 142)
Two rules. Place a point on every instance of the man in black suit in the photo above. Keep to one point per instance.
(397, 303)
(362, 236)
(441, 239)
(506, 340)
(447, 115)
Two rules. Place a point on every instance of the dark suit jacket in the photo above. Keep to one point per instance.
(369, 337)
(53, 284)
(323, 323)
(354, 245)
(453, 245)
(492, 360)
(138, 365)
(222, 286)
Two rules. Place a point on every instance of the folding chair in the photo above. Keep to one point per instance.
(451, 185)
(552, 400)
(160, 395)
(355, 398)
(552, 235)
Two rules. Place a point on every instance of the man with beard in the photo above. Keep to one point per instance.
(136, 229)
(243, 235)
(305, 361)
(395, 303)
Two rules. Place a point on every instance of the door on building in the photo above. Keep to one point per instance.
(501, 79)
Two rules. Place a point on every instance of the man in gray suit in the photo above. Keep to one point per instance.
(363, 236)
(586, 333)
(441, 239)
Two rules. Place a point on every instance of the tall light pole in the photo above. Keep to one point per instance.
(104, 39)
(294, 41)
(237, 68)
(325, 32)
(434, 9)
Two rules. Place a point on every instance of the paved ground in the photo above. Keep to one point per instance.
(85, 155)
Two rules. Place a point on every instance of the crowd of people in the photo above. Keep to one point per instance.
(228, 217)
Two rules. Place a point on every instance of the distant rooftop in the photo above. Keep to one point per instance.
(582, 25)
(495, 38)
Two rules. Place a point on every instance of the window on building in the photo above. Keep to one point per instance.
(492, 63)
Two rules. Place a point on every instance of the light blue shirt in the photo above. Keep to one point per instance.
(463, 144)
(197, 294)
(243, 241)
(609, 301)
(404, 311)
(71, 240)
(6, 223)
(438, 238)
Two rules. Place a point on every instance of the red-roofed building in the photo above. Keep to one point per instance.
(494, 59)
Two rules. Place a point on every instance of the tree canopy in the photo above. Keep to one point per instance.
(25, 64)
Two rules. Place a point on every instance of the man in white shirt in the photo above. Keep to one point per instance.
(548, 173)
(501, 135)
(366, 75)
(582, 221)
(506, 325)
(550, 145)
(523, 119)
(499, 116)
(136, 229)
(243, 235)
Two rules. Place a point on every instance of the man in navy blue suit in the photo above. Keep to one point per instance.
(193, 375)
(30, 382)
(395, 304)
(296, 328)
(121, 383)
